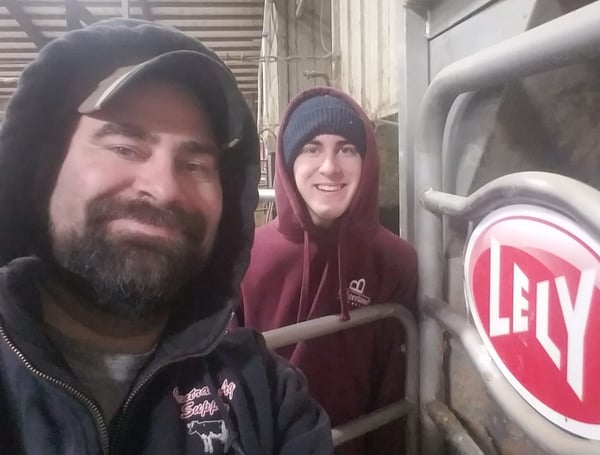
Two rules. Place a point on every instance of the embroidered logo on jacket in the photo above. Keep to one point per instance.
(200, 412)
(209, 431)
(199, 401)
(355, 293)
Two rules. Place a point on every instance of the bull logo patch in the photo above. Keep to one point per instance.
(201, 413)
(532, 283)
(210, 431)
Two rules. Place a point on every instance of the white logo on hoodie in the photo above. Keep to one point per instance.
(356, 293)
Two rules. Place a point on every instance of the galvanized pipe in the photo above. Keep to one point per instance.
(327, 325)
(572, 38)
(546, 188)
(456, 435)
(370, 422)
(266, 194)
(549, 437)
(552, 190)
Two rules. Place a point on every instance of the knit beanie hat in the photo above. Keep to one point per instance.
(323, 114)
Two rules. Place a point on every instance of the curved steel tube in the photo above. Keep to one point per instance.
(552, 190)
(572, 38)
(369, 422)
(327, 325)
(549, 437)
(266, 194)
(456, 435)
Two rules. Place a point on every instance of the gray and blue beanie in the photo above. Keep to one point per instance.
(323, 114)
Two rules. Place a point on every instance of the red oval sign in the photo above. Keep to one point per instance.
(532, 282)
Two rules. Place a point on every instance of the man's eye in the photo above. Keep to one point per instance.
(201, 169)
(193, 167)
(124, 151)
(310, 150)
(349, 149)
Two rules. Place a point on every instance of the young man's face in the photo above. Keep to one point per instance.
(327, 172)
(137, 202)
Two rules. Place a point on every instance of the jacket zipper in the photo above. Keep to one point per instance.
(150, 375)
(94, 410)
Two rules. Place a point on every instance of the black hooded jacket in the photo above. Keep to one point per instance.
(205, 390)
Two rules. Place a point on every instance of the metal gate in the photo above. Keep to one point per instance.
(569, 39)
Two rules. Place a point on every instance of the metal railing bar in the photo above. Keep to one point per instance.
(456, 435)
(266, 194)
(370, 422)
(572, 38)
(542, 188)
(548, 436)
(327, 325)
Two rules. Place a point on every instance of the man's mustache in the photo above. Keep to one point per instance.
(102, 211)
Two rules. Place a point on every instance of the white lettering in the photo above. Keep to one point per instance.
(576, 318)
(541, 322)
(520, 303)
(498, 325)
(575, 315)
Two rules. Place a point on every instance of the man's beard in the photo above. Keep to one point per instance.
(131, 275)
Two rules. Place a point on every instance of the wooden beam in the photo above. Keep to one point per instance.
(15, 10)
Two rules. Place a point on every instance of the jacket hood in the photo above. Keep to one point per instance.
(36, 127)
(292, 214)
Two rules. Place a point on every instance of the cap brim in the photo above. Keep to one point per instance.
(208, 78)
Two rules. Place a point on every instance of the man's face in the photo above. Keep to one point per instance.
(327, 172)
(137, 202)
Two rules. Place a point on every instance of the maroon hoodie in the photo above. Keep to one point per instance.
(299, 272)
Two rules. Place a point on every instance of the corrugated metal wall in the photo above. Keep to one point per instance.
(365, 36)
(355, 42)
(270, 94)
(352, 44)
(292, 49)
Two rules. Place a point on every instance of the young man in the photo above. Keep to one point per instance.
(128, 173)
(326, 253)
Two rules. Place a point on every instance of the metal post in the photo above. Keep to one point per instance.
(413, 77)
(572, 38)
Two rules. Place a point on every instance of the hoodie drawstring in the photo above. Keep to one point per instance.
(344, 307)
(304, 306)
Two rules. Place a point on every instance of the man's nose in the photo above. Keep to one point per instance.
(157, 180)
(330, 165)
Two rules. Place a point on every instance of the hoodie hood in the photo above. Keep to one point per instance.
(292, 214)
(328, 255)
(37, 125)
